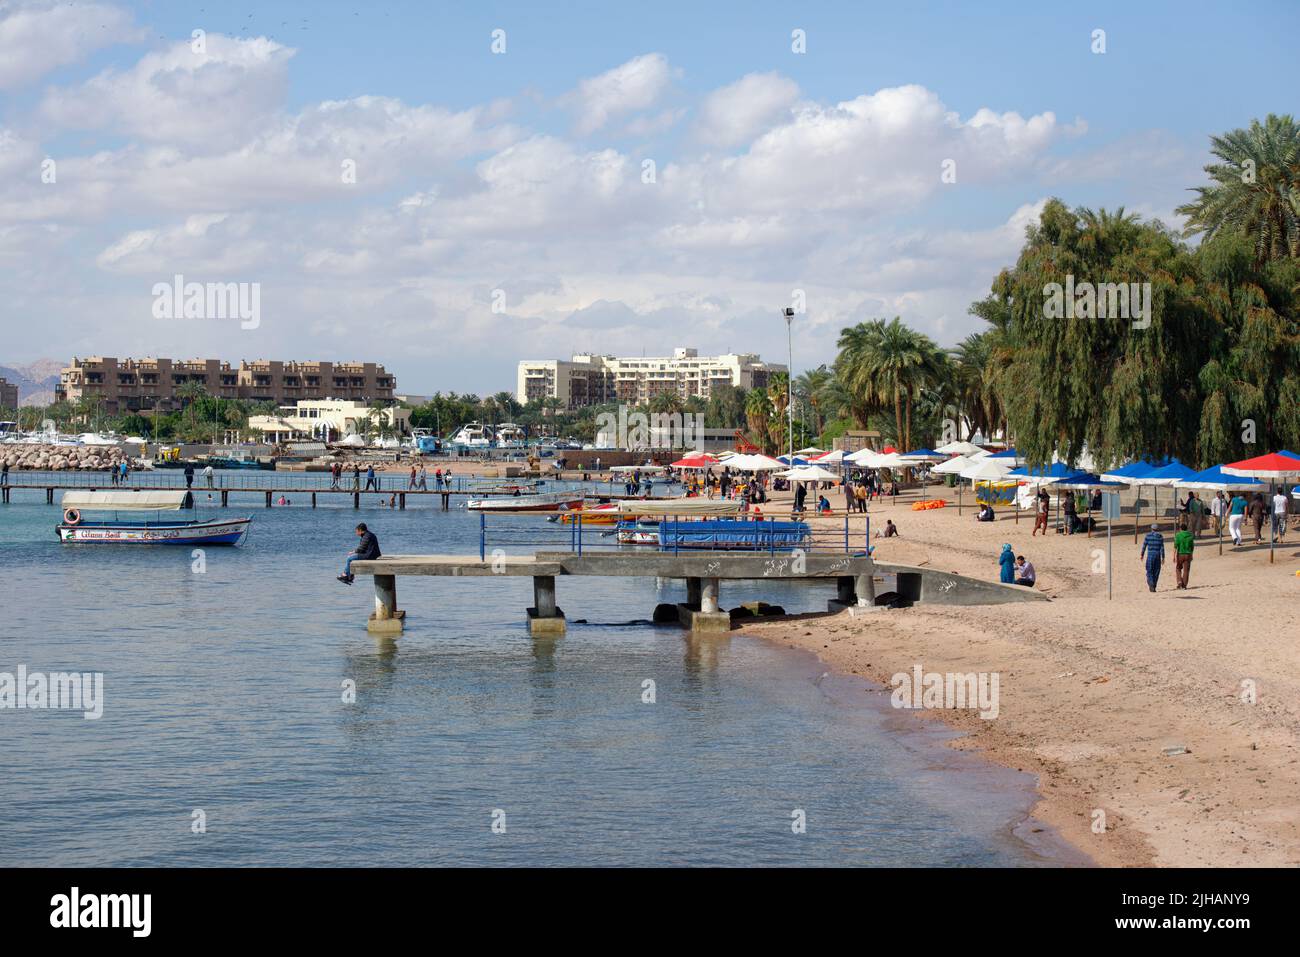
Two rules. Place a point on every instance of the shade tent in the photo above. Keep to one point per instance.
(986, 470)
(808, 473)
(786, 461)
(695, 462)
(1005, 454)
(828, 458)
(1040, 476)
(1276, 467)
(917, 456)
(812, 450)
(1086, 481)
(953, 466)
(1214, 479)
(959, 448)
(754, 463)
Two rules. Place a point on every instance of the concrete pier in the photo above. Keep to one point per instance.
(545, 617)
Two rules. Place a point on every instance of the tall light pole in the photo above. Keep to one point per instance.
(789, 380)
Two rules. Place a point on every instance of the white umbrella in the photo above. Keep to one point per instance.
(754, 463)
(959, 448)
(830, 458)
(986, 470)
(953, 466)
(866, 458)
(811, 450)
(808, 473)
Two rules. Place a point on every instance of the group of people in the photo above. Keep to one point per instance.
(418, 480)
(1016, 569)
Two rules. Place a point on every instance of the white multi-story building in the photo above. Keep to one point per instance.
(325, 420)
(594, 380)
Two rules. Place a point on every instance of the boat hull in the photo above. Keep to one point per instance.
(545, 502)
(226, 532)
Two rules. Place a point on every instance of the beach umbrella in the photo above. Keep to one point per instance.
(829, 458)
(700, 461)
(786, 461)
(986, 470)
(863, 457)
(1276, 467)
(808, 473)
(953, 466)
(810, 452)
(755, 463)
(959, 448)
(1006, 454)
(1214, 479)
(1087, 482)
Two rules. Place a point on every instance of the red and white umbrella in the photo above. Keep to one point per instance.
(1275, 467)
(701, 461)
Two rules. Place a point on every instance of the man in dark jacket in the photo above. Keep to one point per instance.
(367, 550)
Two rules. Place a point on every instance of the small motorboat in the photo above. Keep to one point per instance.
(606, 513)
(518, 502)
(78, 529)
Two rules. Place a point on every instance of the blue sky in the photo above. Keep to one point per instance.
(524, 172)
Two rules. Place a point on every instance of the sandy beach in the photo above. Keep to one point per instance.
(1093, 691)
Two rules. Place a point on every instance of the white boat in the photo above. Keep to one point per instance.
(541, 502)
(511, 436)
(76, 529)
(475, 435)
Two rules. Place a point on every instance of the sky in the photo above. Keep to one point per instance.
(449, 188)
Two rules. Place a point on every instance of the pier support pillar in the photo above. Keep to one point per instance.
(693, 589)
(844, 594)
(313, 499)
(386, 620)
(865, 587)
(356, 499)
(709, 597)
(545, 619)
(49, 496)
(446, 501)
(268, 498)
(401, 501)
(225, 498)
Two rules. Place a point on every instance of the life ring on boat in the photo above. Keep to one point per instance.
(71, 516)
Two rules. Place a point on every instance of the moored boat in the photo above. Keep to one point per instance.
(541, 502)
(77, 529)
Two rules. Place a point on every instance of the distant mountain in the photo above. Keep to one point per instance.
(35, 381)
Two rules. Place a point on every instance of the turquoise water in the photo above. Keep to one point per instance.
(223, 692)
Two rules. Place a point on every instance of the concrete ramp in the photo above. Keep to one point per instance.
(930, 586)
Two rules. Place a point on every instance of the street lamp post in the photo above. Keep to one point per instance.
(789, 380)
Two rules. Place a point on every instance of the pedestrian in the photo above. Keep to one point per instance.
(1279, 515)
(370, 479)
(1008, 562)
(1218, 508)
(367, 550)
(850, 499)
(189, 474)
(1236, 515)
(1256, 511)
(115, 474)
(207, 474)
(4, 473)
(1184, 545)
(1153, 555)
(336, 472)
(1042, 510)
(356, 477)
(424, 479)
(411, 483)
(1071, 510)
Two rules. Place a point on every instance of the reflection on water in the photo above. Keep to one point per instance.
(224, 691)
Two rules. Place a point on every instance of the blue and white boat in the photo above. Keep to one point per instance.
(77, 528)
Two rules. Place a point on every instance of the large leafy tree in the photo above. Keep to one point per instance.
(1254, 190)
(884, 363)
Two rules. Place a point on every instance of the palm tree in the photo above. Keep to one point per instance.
(778, 386)
(886, 361)
(811, 388)
(758, 414)
(1255, 189)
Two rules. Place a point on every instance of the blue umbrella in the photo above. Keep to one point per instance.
(1057, 470)
(1218, 480)
(1008, 454)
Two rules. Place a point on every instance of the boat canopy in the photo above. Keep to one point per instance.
(153, 501)
(679, 506)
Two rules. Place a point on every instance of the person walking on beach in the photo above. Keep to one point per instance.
(1217, 509)
(207, 474)
(370, 479)
(1184, 545)
(1008, 562)
(1071, 514)
(849, 500)
(1153, 555)
(1236, 515)
(1256, 512)
(1041, 512)
(367, 550)
(1279, 515)
(860, 495)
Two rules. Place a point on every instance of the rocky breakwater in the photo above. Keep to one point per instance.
(64, 458)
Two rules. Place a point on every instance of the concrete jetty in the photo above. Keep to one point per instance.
(704, 571)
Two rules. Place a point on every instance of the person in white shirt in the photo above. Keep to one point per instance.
(207, 474)
(1279, 515)
(1217, 509)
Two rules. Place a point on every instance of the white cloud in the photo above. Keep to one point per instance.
(36, 38)
(738, 111)
(632, 86)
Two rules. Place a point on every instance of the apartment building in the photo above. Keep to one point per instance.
(8, 394)
(589, 379)
(131, 385)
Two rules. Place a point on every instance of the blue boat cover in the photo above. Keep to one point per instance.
(730, 533)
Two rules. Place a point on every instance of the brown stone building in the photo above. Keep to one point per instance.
(8, 394)
(130, 385)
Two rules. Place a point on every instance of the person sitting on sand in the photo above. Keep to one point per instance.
(985, 513)
(891, 530)
(823, 505)
(1025, 574)
(1007, 560)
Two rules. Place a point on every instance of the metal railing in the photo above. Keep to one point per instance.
(499, 530)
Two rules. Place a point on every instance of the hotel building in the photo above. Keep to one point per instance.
(595, 380)
(132, 385)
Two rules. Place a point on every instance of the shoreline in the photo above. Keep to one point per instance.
(1093, 691)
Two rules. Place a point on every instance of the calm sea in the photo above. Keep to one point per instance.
(224, 688)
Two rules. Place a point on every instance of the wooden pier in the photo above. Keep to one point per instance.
(853, 575)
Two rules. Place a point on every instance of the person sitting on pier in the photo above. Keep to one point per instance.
(367, 550)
